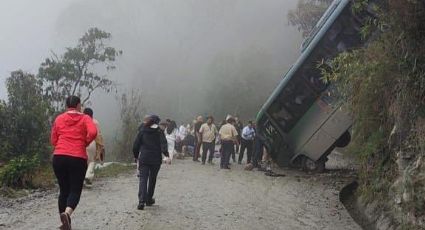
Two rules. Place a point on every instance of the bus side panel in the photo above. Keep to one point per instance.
(309, 124)
(318, 145)
(338, 123)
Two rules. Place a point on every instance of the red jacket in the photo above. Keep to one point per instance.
(72, 132)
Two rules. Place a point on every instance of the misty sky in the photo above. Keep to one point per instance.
(173, 49)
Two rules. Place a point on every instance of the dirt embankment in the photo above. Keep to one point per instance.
(192, 196)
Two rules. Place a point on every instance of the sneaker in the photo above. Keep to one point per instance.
(66, 221)
(239, 162)
(203, 163)
(141, 206)
(151, 202)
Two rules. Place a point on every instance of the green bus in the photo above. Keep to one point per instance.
(303, 120)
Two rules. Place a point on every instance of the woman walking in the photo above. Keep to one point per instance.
(148, 148)
(71, 133)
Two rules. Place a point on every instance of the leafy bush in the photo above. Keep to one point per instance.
(19, 172)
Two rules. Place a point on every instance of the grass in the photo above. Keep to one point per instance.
(44, 178)
(114, 170)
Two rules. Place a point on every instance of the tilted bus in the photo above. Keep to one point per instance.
(303, 120)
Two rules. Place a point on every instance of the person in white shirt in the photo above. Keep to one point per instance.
(247, 142)
(171, 135)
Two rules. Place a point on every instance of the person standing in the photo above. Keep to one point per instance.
(95, 151)
(72, 132)
(247, 142)
(239, 126)
(171, 136)
(208, 133)
(198, 142)
(148, 147)
(228, 137)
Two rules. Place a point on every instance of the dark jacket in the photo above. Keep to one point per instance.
(149, 146)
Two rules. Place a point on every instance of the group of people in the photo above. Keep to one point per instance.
(78, 144)
(203, 139)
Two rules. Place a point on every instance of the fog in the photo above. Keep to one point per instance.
(186, 57)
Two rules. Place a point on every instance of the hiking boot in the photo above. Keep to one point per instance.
(66, 221)
(141, 206)
(150, 202)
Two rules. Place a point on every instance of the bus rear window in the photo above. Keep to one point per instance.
(292, 103)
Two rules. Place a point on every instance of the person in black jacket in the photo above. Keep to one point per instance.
(148, 148)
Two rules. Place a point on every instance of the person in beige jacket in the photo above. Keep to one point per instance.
(95, 150)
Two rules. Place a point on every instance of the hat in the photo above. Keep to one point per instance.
(229, 117)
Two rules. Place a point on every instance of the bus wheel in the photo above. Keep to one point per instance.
(343, 140)
(313, 166)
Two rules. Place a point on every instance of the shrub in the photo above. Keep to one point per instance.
(19, 172)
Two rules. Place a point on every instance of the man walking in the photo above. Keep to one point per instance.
(95, 150)
(198, 143)
(247, 142)
(228, 137)
(208, 133)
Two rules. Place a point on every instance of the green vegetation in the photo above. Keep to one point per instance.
(33, 100)
(78, 70)
(113, 170)
(384, 86)
(132, 109)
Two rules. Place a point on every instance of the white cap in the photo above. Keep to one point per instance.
(229, 117)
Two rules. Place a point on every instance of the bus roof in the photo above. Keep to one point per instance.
(315, 36)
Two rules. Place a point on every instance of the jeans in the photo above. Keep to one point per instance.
(148, 174)
(70, 172)
(228, 148)
(248, 145)
(208, 147)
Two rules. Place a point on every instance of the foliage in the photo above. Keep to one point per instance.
(80, 70)
(307, 14)
(384, 86)
(19, 172)
(132, 110)
(24, 123)
(115, 169)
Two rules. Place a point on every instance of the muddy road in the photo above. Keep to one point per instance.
(193, 196)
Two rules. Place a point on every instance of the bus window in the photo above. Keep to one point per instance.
(294, 100)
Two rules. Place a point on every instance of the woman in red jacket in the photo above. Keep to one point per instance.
(72, 132)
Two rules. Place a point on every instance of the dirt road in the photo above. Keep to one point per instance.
(192, 196)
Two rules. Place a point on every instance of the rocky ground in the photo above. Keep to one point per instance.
(194, 196)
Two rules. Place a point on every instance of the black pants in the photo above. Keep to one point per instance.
(197, 150)
(148, 174)
(258, 151)
(227, 148)
(70, 172)
(208, 147)
(248, 145)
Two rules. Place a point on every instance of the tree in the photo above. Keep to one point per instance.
(80, 70)
(132, 110)
(307, 13)
(25, 117)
